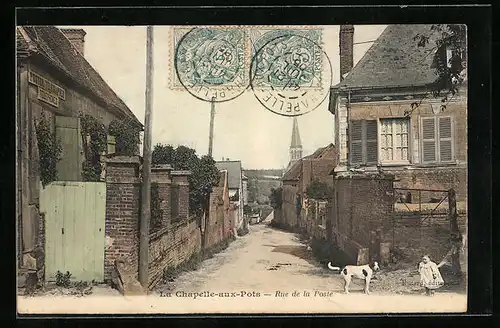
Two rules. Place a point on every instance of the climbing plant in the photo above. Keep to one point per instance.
(204, 173)
(319, 190)
(156, 211)
(94, 138)
(276, 197)
(49, 149)
(126, 136)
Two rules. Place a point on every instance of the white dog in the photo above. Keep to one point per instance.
(364, 272)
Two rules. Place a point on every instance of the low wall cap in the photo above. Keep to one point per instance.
(122, 159)
(181, 172)
(161, 167)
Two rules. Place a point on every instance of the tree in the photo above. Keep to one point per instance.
(204, 173)
(253, 189)
(319, 190)
(127, 138)
(450, 59)
(276, 197)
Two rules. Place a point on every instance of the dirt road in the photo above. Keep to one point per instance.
(266, 271)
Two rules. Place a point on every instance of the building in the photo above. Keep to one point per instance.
(245, 189)
(386, 119)
(315, 167)
(55, 81)
(392, 132)
(235, 186)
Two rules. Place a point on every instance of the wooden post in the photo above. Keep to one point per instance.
(211, 135)
(146, 183)
(455, 236)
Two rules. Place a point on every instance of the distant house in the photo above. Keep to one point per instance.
(376, 128)
(235, 185)
(55, 80)
(316, 166)
(245, 189)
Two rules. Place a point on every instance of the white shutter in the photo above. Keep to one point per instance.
(445, 139)
(428, 139)
(356, 142)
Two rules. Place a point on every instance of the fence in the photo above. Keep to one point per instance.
(423, 221)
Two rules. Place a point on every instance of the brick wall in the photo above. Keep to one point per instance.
(122, 212)
(432, 178)
(169, 248)
(180, 180)
(181, 237)
(362, 204)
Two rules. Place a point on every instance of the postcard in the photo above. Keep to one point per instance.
(241, 169)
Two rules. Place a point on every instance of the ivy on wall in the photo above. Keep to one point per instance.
(94, 138)
(49, 148)
(156, 211)
(127, 138)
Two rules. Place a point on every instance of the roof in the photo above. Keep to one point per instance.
(52, 44)
(395, 60)
(295, 169)
(296, 142)
(234, 172)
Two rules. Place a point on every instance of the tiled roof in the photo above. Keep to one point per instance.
(234, 172)
(295, 170)
(53, 45)
(395, 60)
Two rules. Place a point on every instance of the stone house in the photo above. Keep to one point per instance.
(315, 167)
(391, 132)
(55, 80)
(376, 127)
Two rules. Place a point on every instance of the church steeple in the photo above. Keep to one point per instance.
(296, 144)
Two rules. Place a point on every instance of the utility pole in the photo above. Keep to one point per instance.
(146, 167)
(211, 135)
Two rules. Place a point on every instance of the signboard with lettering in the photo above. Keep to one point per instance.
(48, 91)
(48, 97)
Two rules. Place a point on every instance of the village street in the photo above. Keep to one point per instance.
(266, 271)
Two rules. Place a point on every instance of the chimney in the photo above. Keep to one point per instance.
(77, 38)
(346, 41)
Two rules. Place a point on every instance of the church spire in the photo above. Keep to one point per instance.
(296, 144)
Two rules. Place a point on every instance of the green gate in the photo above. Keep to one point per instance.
(75, 215)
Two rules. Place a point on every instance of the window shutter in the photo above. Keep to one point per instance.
(445, 140)
(356, 142)
(428, 140)
(371, 141)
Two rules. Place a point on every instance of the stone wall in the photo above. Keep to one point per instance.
(361, 205)
(169, 248)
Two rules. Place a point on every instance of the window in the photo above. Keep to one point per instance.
(363, 142)
(437, 139)
(394, 140)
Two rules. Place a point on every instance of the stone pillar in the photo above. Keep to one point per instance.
(160, 174)
(122, 212)
(180, 181)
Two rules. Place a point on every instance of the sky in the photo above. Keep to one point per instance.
(243, 129)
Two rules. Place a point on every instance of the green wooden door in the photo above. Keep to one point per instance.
(74, 229)
(69, 168)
